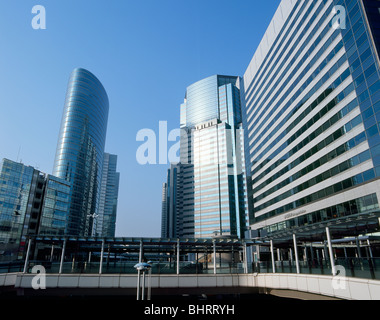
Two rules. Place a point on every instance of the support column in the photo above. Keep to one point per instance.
(296, 253)
(62, 256)
(311, 251)
(305, 258)
(52, 253)
(358, 247)
(370, 249)
(138, 284)
(272, 255)
(101, 258)
(143, 286)
(178, 251)
(214, 249)
(27, 256)
(245, 258)
(331, 253)
(258, 253)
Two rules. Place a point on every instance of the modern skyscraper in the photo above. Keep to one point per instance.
(105, 222)
(31, 203)
(312, 107)
(80, 149)
(213, 180)
(164, 212)
(171, 207)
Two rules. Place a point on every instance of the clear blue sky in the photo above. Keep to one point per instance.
(145, 53)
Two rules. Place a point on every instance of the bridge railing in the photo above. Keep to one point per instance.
(125, 267)
(366, 268)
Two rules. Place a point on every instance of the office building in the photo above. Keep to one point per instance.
(105, 220)
(80, 149)
(172, 222)
(312, 110)
(213, 181)
(31, 203)
(55, 207)
(164, 211)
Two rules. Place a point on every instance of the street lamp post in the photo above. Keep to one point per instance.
(142, 267)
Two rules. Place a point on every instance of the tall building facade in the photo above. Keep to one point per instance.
(164, 211)
(213, 192)
(312, 110)
(80, 149)
(172, 219)
(31, 203)
(105, 221)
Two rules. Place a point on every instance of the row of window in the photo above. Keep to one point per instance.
(330, 39)
(284, 45)
(342, 167)
(332, 137)
(329, 106)
(360, 205)
(314, 89)
(313, 166)
(326, 192)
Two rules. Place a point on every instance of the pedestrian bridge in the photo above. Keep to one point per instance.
(346, 268)
(299, 286)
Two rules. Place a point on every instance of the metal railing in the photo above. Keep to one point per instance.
(127, 267)
(366, 268)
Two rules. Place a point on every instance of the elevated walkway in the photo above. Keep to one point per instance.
(299, 286)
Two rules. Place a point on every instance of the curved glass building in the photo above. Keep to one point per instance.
(80, 148)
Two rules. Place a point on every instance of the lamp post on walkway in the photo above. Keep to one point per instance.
(142, 267)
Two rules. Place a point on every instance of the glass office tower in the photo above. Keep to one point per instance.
(213, 180)
(171, 207)
(105, 223)
(31, 203)
(80, 148)
(312, 107)
(55, 207)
